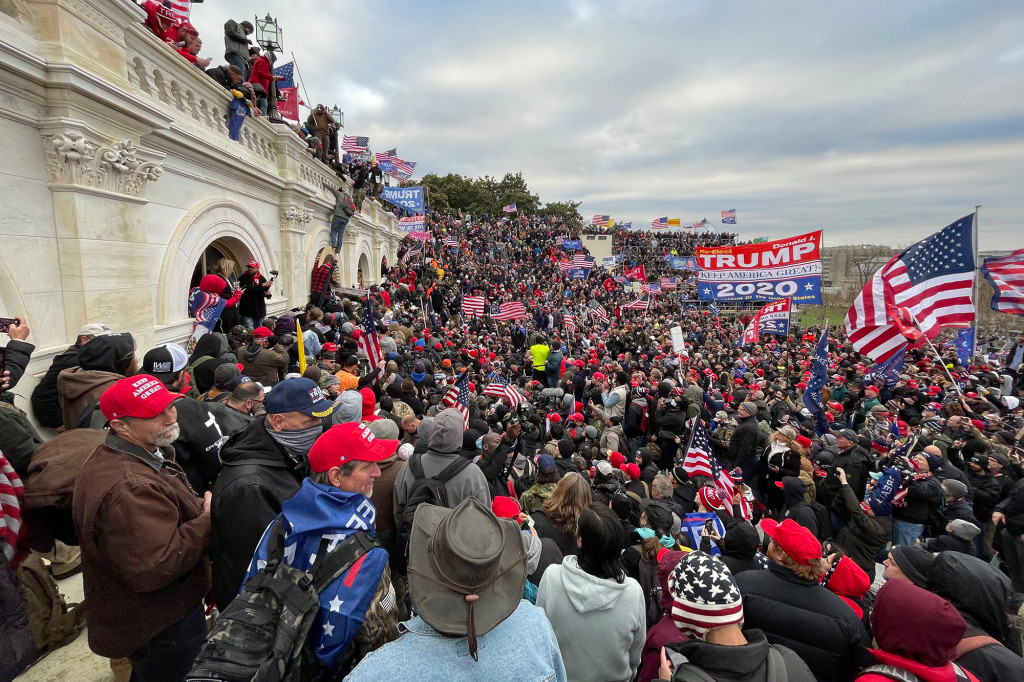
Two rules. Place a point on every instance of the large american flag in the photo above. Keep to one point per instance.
(369, 340)
(578, 261)
(458, 396)
(668, 283)
(701, 461)
(639, 304)
(382, 157)
(729, 216)
(569, 320)
(650, 288)
(181, 9)
(508, 311)
(599, 311)
(473, 305)
(414, 250)
(660, 223)
(404, 169)
(355, 145)
(602, 220)
(1006, 275)
(501, 388)
(933, 281)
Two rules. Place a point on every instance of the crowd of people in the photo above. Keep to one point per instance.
(476, 498)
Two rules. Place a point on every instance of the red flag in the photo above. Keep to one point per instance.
(290, 107)
(636, 273)
(904, 321)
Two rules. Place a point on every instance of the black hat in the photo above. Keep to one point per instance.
(914, 563)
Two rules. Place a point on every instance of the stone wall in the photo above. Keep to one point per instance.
(117, 173)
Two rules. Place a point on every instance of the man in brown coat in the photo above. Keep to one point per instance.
(144, 536)
(263, 358)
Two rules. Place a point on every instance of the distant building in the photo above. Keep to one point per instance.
(846, 269)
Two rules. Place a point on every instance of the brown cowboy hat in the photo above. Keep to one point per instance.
(467, 569)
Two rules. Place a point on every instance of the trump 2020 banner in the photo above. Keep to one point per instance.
(771, 319)
(412, 224)
(784, 268)
(409, 198)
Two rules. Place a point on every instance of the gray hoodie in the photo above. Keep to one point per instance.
(444, 445)
(600, 624)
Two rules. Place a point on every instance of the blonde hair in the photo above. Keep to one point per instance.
(568, 500)
(225, 268)
(812, 572)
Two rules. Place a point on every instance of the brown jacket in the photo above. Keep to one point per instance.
(144, 539)
(384, 501)
(262, 364)
(78, 388)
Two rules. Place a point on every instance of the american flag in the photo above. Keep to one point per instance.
(403, 168)
(602, 220)
(701, 461)
(599, 311)
(569, 320)
(511, 208)
(932, 280)
(578, 261)
(355, 145)
(508, 311)
(659, 223)
(369, 340)
(729, 216)
(1006, 275)
(668, 283)
(639, 304)
(650, 288)
(181, 9)
(382, 157)
(288, 72)
(450, 241)
(500, 388)
(414, 250)
(473, 305)
(458, 396)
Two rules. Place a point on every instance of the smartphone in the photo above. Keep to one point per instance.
(709, 526)
(7, 322)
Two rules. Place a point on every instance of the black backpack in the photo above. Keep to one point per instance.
(424, 490)
(261, 635)
(652, 590)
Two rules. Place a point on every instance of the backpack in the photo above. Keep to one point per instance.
(53, 622)
(894, 673)
(824, 519)
(651, 585)
(424, 490)
(687, 672)
(261, 635)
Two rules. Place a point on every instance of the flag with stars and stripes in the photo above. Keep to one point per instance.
(651, 287)
(601, 220)
(932, 282)
(458, 396)
(569, 320)
(318, 513)
(579, 261)
(182, 9)
(501, 388)
(450, 241)
(287, 71)
(512, 310)
(414, 250)
(473, 305)
(598, 310)
(511, 208)
(355, 145)
(729, 216)
(660, 223)
(701, 461)
(669, 283)
(639, 304)
(369, 340)
(1006, 275)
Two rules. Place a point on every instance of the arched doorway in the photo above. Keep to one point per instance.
(384, 267)
(364, 276)
(236, 254)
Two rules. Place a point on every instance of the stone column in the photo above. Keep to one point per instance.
(294, 278)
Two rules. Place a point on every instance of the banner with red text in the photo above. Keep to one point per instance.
(783, 268)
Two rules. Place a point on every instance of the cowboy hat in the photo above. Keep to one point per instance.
(467, 569)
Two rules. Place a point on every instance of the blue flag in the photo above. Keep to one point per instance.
(238, 110)
(819, 377)
(409, 198)
(714, 310)
(889, 370)
(288, 71)
(965, 345)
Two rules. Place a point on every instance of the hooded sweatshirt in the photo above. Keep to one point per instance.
(739, 554)
(101, 362)
(796, 505)
(600, 624)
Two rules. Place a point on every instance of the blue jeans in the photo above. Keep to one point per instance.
(251, 322)
(905, 533)
(237, 60)
(169, 655)
(338, 224)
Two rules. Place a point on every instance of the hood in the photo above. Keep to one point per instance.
(446, 434)
(932, 646)
(76, 382)
(794, 490)
(254, 443)
(588, 593)
(208, 344)
(849, 582)
(111, 353)
(349, 407)
(369, 405)
(979, 592)
(743, 541)
(424, 429)
(212, 284)
(251, 351)
(667, 562)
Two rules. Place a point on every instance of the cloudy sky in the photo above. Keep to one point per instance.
(878, 122)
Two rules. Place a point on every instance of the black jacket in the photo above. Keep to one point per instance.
(863, 535)
(258, 475)
(923, 495)
(856, 462)
(747, 439)
(807, 618)
(253, 302)
(986, 490)
(796, 508)
(746, 663)
(45, 401)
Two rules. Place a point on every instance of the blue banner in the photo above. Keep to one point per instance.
(889, 370)
(409, 198)
(572, 244)
(386, 166)
(800, 289)
(238, 111)
(684, 263)
(579, 273)
(819, 377)
(965, 346)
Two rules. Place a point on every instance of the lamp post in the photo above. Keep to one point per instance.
(338, 115)
(268, 34)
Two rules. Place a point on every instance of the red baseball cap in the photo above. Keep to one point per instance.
(795, 540)
(616, 459)
(141, 396)
(505, 508)
(261, 333)
(631, 470)
(350, 442)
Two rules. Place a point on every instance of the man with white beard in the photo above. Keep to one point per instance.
(144, 536)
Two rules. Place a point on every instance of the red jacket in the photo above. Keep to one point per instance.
(261, 73)
(943, 674)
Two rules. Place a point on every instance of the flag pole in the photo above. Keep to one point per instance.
(302, 81)
(974, 290)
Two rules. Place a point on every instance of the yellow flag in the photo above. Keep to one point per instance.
(674, 221)
(302, 348)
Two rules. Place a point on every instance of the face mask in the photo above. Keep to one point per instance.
(297, 443)
(479, 443)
